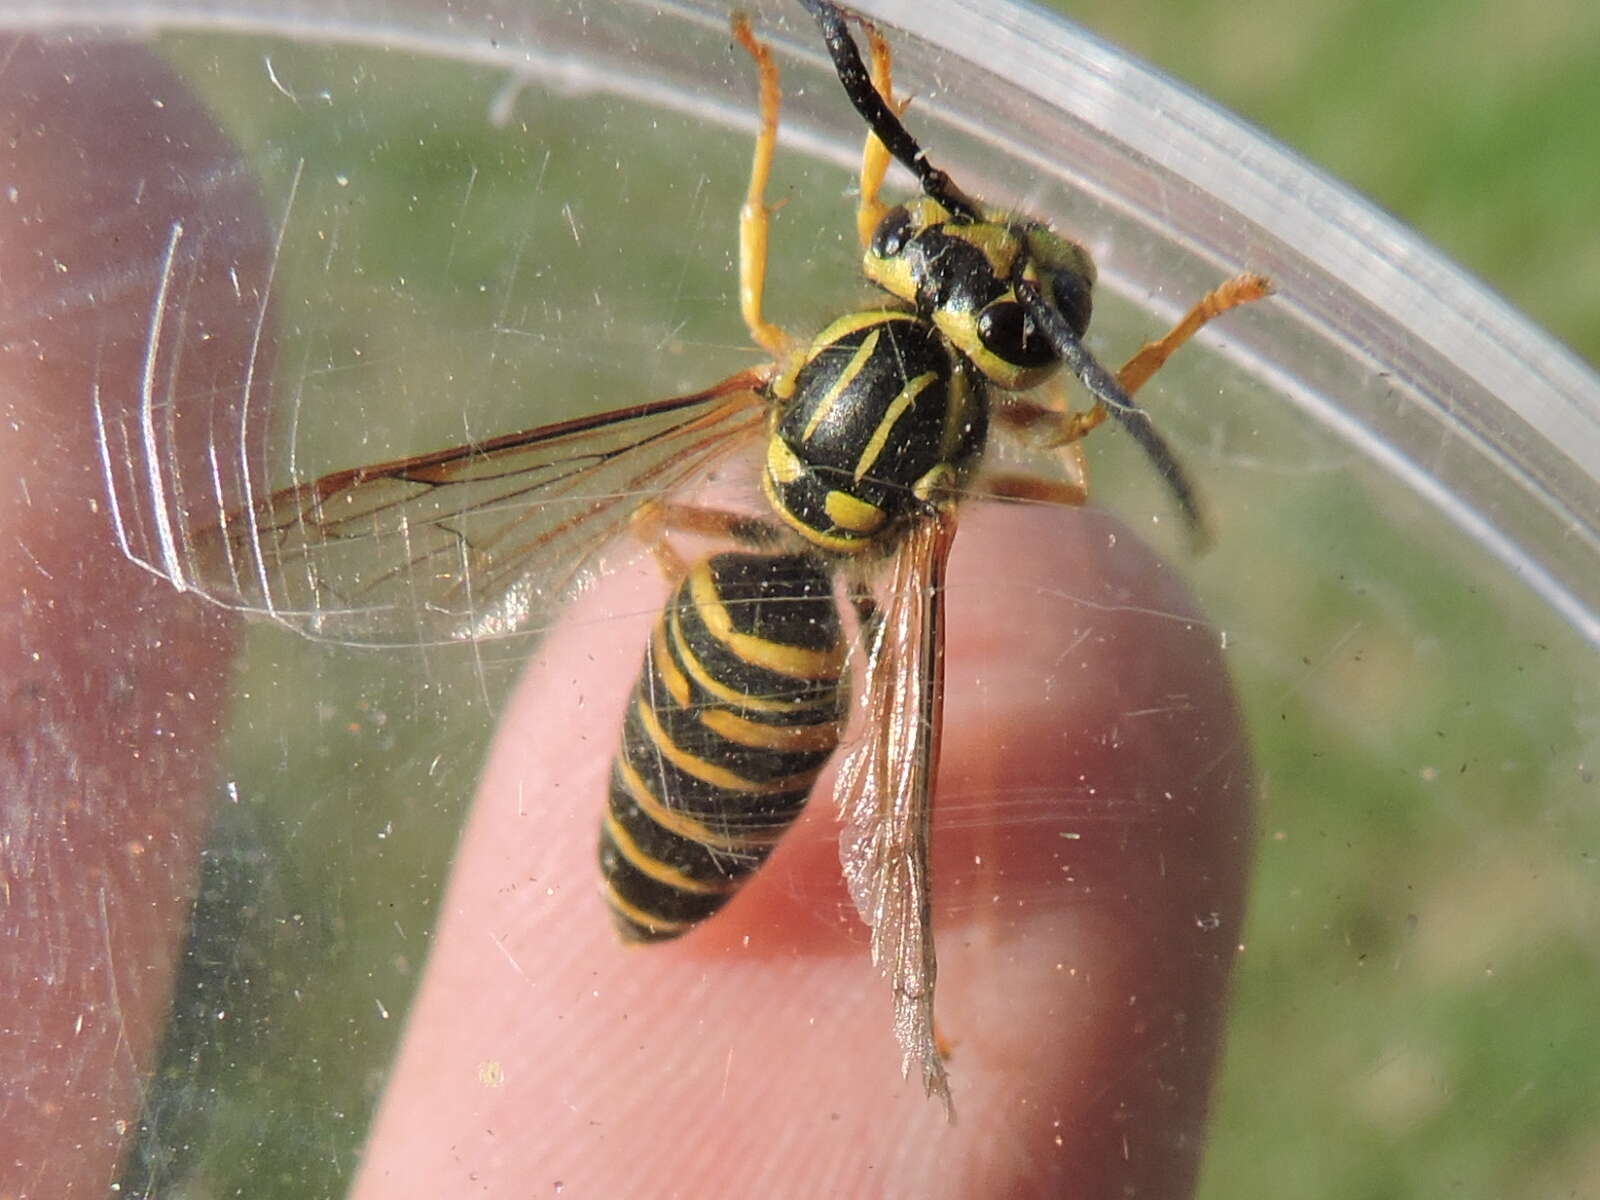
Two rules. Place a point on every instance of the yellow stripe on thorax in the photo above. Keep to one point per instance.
(852, 369)
(852, 514)
(897, 408)
(838, 543)
(844, 326)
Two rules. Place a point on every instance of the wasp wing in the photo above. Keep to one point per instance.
(478, 541)
(885, 788)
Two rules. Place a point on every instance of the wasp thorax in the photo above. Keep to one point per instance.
(961, 274)
(881, 416)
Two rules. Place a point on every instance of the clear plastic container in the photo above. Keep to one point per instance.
(485, 217)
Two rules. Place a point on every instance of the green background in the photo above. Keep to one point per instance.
(1471, 120)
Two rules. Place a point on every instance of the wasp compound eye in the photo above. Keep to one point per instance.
(1008, 333)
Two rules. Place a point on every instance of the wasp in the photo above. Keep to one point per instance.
(869, 436)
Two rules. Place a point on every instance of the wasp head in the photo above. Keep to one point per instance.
(961, 273)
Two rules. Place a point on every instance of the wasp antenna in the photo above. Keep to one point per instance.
(1103, 386)
(877, 113)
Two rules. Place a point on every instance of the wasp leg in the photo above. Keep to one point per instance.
(1052, 427)
(648, 525)
(1036, 488)
(1152, 356)
(1241, 289)
(755, 215)
(653, 520)
(875, 156)
(1044, 425)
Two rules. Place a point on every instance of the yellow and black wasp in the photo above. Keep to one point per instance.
(869, 436)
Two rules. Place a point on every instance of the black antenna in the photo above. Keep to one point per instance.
(880, 118)
(1103, 386)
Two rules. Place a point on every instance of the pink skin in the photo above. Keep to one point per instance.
(111, 684)
(1092, 834)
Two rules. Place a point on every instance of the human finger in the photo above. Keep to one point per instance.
(1091, 838)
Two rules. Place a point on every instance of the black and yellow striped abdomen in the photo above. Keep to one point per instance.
(737, 709)
(880, 414)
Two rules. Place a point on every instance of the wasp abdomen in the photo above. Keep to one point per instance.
(737, 709)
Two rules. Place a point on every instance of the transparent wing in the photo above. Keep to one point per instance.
(478, 541)
(886, 787)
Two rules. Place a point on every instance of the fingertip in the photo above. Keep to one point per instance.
(1070, 857)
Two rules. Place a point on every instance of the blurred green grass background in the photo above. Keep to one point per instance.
(1474, 121)
(1416, 995)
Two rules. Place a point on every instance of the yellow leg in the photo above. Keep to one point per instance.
(1048, 423)
(1152, 356)
(874, 154)
(1241, 289)
(649, 525)
(1035, 488)
(1050, 426)
(754, 217)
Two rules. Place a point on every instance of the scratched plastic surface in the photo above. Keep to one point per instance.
(496, 217)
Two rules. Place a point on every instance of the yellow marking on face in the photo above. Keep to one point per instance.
(796, 662)
(853, 513)
(847, 377)
(961, 329)
(996, 242)
(659, 871)
(1056, 253)
(960, 325)
(687, 827)
(893, 274)
(897, 407)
